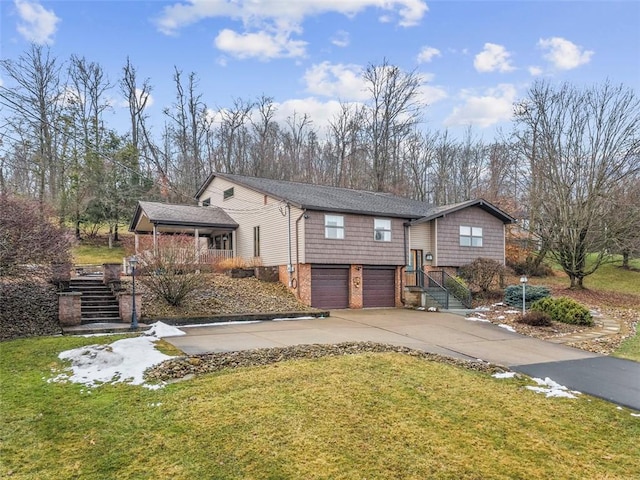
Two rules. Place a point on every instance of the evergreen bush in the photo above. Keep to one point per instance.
(564, 310)
(513, 294)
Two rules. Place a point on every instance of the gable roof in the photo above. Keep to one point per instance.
(330, 199)
(181, 216)
(438, 212)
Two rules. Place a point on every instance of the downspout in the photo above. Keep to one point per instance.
(290, 266)
(303, 214)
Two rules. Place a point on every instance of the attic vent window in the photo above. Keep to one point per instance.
(206, 202)
(228, 193)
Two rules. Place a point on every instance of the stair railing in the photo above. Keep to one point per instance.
(441, 284)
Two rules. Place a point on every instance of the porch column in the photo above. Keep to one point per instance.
(196, 236)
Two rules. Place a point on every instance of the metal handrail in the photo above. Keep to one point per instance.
(438, 279)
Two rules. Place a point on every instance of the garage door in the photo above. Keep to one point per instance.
(330, 287)
(378, 287)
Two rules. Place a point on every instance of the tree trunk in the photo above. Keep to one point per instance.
(625, 260)
(576, 282)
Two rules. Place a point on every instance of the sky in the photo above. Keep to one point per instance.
(475, 58)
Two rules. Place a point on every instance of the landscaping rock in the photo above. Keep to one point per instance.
(187, 366)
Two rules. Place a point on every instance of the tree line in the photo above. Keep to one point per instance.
(569, 167)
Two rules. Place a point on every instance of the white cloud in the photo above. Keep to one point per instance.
(341, 39)
(493, 58)
(493, 106)
(262, 45)
(563, 54)
(318, 111)
(535, 71)
(427, 54)
(336, 80)
(37, 24)
(430, 94)
(254, 14)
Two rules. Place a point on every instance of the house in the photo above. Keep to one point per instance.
(334, 247)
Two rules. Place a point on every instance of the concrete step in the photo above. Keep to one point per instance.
(102, 319)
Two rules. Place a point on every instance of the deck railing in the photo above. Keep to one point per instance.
(440, 285)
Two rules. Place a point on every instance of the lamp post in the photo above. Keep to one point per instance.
(523, 281)
(133, 261)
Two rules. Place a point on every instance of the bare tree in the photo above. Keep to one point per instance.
(580, 144)
(34, 101)
(392, 112)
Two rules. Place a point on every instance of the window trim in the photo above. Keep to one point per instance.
(338, 229)
(471, 237)
(385, 232)
(227, 194)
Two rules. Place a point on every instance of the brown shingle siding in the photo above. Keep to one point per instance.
(358, 245)
(450, 253)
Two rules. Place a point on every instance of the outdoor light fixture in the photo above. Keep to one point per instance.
(428, 256)
(133, 261)
(523, 281)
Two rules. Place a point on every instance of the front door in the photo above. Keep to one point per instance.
(415, 264)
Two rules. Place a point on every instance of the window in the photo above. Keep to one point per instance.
(228, 193)
(381, 230)
(256, 241)
(206, 202)
(470, 236)
(334, 226)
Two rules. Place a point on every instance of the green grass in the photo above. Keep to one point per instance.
(630, 348)
(608, 277)
(91, 254)
(374, 416)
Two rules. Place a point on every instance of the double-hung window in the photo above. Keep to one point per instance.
(382, 230)
(470, 236)
(334, 226)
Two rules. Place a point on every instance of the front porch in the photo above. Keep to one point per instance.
(213, 232)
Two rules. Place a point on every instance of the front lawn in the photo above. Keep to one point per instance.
(374, 416)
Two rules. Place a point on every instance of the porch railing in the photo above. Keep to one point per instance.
(188, 256)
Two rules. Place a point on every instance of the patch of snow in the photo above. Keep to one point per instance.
(287, 319)
(507, 327)
(500, 317)
(477, 319)
(635, 414)
(483, 309)
(161, 330)
(123, 361)
(504, 375)
(432, 309)
(499, 304)
(480, 314)
(552, 389)
(512, 311)
(220, 324)
(421, 308)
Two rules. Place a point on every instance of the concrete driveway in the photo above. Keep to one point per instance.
(443, 333)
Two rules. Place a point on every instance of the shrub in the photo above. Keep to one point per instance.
(481, 273)
(28, 236)
(528, 267)
(237, 262)
(564, 310)
(536, 319)
(513, 294)
(457, 287)
(168, 277)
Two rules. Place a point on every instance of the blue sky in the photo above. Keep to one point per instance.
(476, 57)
